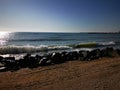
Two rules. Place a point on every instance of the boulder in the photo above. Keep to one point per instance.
(82, 55)
(45, 61)
(118, 51)
(94, 54)
(1, 58)
(56, 58)
(107, 52)
(10, 63)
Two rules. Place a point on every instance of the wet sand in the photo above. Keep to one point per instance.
(101, 74)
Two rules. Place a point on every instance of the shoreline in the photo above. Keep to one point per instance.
(29, 61)
(102, 74)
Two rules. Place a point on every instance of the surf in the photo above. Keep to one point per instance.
(17, 49)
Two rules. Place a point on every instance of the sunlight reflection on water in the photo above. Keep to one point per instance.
(4, 37)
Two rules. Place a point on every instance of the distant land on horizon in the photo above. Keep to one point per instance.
(104, 32)
(78, 32)
(65, 32)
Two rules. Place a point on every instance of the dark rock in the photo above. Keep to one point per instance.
(45, 61)
(2, 69)
(32, 62)
(22, 63)
(83, 54)
(118, 51)
(67, 56)
(38, 57)
(74, 55)
(1, 58)
(56, 58)
(64, 56)
(10, 63)
(107, 52)
(9, 58)
(94, 54)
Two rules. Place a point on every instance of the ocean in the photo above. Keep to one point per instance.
(34, 42)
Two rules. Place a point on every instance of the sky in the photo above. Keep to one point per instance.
(60, 15)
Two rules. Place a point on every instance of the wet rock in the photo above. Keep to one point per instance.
(45, 61)
(82, 55)
(22, 63)
(56, 58)
(29, 61)
(67, 56)
(10, 63)
(107, 52)
(1, 58)
(32, 63)
(74, 55)
(38, 57)
(64, 56)
(118, 51)
(2, 69)
(94, 54)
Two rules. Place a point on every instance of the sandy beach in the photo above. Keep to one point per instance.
(100, 74)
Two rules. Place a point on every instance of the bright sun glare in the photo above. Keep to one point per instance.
(4, 36)
(3, 33)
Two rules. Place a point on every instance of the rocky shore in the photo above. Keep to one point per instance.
(28, 61)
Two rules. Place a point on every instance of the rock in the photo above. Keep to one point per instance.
(107, 52)
(118, 51)
(56, 58)
(1, 58)
(74, 55)
(32, 62)
(22, 63)
(2, 69)
(83, 54)
(44, 61)
(10, 63)
(38, 57)
(94, 54)
(64, 56)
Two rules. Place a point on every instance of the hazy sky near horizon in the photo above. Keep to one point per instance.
(60, 15)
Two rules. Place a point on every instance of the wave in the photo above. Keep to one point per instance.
(13, 49)
(93, 44)
(106, 43)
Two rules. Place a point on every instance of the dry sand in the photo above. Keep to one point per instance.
(101, 74)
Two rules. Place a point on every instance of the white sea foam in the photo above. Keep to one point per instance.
(13, 49)
(107, 43)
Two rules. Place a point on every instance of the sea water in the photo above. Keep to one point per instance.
(36, 42)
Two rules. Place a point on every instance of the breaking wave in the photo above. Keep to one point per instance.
(13, 49)
(93, 44)
(107, 43)
(29, 49)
